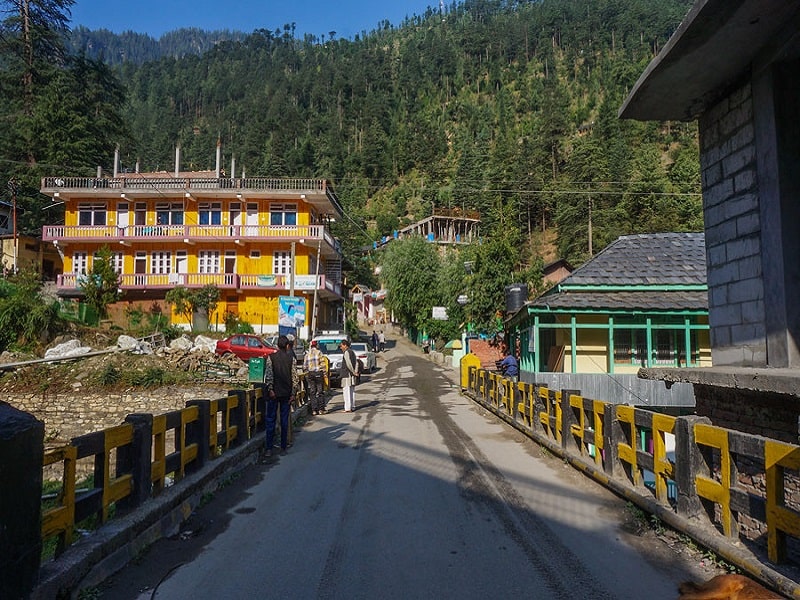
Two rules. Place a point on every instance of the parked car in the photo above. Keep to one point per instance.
(366, 357)
(244, 346)
(328, 344)
(299, 347)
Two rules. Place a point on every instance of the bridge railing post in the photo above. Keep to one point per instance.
(136, 459)
(611, 433)
(199, 432)
(568, 420)
(22, 449)
(689, 462)
(240, 417)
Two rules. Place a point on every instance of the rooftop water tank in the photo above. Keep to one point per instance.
(516, 297)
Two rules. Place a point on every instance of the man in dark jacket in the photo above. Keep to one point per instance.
(282, 384)
(349, 373)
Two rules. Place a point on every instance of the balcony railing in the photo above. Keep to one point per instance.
(135, 182)
(227, 281)
(111, 233)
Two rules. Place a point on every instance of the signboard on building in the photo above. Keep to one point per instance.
(439, 313)
(291, 311)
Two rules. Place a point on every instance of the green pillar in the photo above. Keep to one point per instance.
(610, 344)
(574, 334)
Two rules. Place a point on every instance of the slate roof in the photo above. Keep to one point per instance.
(656, 259)
(633, 300)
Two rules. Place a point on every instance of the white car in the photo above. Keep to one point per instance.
(328, 344)
(366, 356)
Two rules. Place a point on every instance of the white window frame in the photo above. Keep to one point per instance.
(208, 261)
(279, 214)
(282, 263)
(170, 212)
(92, 214)
(80, 263)
(210, 213)
(160, 262)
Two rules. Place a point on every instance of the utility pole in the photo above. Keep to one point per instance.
(291, 272)
(13, 187)
(590, 226)
(316, 291)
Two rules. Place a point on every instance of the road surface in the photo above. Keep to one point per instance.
(418, 494)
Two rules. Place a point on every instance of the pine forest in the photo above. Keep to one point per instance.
(507, 107)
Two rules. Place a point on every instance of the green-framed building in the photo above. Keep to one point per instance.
(641, 302)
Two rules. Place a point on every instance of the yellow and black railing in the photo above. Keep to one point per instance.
(735, 493)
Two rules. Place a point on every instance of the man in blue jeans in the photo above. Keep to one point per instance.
(281, 385)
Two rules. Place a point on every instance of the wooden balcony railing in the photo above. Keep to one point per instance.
(228, 281)
(135, 233)
(132, 182)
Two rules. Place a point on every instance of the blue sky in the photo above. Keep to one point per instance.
(155, 17)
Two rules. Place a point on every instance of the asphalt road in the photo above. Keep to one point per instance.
(418, 494)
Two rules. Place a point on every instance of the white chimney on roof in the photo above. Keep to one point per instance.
(219, 155)
(177, 159)
(116, 160)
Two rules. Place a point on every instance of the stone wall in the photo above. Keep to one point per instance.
(768, 414)
(728, 159)
(68, 416)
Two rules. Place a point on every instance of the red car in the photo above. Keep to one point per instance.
(244, 346)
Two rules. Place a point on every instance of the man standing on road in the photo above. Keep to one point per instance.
(312, 365)
(348, 372)
(282, 384)
(382, 340)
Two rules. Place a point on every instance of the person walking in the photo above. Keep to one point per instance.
(315, 375)
(282, 384)
(382, 340)
(348, 372)
(374, 341)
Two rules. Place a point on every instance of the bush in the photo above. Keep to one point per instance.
(110, 375)
(234, 325)
(149, 377)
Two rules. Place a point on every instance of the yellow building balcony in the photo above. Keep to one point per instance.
(239, 234)
(225, 281)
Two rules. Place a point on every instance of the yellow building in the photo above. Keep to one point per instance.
(256, 239)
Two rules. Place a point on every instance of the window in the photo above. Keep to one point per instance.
(161, 262)
(283, 214)
(140, 263)
(91, 214)
(169, 214)
(623, 346)
(80, 263)
(255, 253)
(281, 263)
(235, 214)
(208, 261)
(140, 214)
(668, 347)
(181, 262)
(210, 213)
(230, 261)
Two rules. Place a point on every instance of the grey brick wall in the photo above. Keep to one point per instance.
(733, 231)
